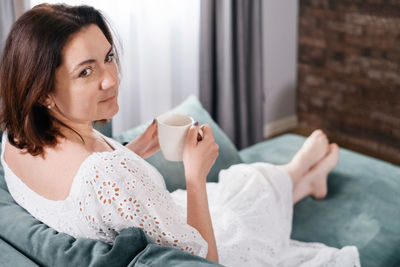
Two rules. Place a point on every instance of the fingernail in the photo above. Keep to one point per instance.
(196, 123)
(154, 121)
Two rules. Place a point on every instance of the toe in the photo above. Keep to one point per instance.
(321, 195)
(318, 132)
(333, 146)
(323, 139)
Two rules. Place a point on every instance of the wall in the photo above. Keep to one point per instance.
(280, 61)
(348, 72)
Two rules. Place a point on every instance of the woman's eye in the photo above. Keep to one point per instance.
(86, 72)
(110, 57)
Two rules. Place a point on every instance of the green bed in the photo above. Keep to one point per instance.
(361, 209)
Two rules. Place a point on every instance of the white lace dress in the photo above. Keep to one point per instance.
(251, 210)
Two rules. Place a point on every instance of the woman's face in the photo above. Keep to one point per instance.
(86, 87)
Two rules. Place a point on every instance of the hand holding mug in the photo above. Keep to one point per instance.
(172, 131)
(199, 156)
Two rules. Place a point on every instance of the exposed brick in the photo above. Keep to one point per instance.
(335, 47)
(375, 2)
(314, 55)
(382, 22)
(390, 119)
(320, 3)
(349, 71)
(319, 13)
(382, 31)
(314, 80)
(347, 6)
(372, 42)
(344, 27)
(394, 2)
(307, 22)
(312, 41)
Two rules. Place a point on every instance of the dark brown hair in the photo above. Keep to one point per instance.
(31, 55)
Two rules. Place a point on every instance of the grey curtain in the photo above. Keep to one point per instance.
(7, 18)
(231, 86)
(10, 10)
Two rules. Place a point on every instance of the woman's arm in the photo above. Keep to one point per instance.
(198, 159)
(198, 216)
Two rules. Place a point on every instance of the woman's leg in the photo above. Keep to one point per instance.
(314, 182)
(313, 150)
(310, 166)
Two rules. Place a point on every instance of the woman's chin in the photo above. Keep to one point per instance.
(111, 112)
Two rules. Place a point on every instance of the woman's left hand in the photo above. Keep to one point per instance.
(146, 144)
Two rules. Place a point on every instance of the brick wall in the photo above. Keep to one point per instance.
(349, 73)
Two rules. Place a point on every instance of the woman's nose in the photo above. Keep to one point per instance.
(110, 79)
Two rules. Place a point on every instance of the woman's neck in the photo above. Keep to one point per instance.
(72, 128)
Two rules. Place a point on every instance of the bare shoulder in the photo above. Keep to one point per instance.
(50, 177)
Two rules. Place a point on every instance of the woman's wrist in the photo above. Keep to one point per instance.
(195, 181)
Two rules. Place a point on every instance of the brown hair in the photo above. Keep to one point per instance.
(30, 57)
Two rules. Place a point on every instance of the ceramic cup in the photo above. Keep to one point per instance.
(172, 131)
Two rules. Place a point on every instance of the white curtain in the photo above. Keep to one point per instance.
(159, 59)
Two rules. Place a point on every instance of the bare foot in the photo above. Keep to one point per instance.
(312, 151)
(316, 178)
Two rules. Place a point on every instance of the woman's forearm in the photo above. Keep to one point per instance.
(198, 216)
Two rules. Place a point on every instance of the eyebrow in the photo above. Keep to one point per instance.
(88, 61)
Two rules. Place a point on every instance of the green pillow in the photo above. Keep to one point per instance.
(173, 172)
(9, 256)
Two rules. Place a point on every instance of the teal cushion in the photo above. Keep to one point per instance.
(156, 255)
(361, 208)
(9, 256)
(105, 129)
(173, 172)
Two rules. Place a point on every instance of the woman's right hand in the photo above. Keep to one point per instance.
(199, 156)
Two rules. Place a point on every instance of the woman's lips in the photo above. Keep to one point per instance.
(108, 99)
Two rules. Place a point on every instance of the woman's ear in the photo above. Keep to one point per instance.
(47, 102)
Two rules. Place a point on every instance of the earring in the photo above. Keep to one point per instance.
(49, 107)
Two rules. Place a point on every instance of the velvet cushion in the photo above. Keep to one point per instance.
(361, 208)
(173, 172)
(9, 256)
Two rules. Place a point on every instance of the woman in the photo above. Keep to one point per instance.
(59, 74)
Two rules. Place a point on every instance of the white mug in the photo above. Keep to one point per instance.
(172, 132)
